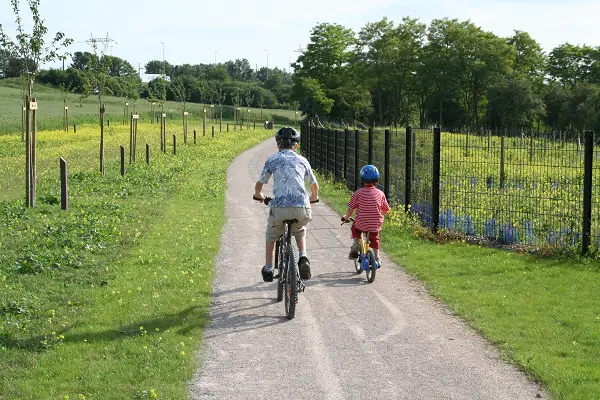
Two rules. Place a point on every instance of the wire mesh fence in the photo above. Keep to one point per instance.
(527, 189)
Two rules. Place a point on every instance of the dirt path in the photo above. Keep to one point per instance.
(349, 340)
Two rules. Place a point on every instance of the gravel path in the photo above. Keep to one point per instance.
(350, 339)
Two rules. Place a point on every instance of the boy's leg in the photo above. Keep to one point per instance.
(273, 232)
(375, 244)
(356, 245)
(304, 216)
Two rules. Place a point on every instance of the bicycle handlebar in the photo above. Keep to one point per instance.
(267, 200)
(348, 221)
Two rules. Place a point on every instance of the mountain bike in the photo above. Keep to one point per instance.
(289, 283)
(366, 258)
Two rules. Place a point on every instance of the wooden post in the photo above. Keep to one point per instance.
(74, 128)
(27, 152)
(23, 110)
(174, 144)
(221, 121)
(204, 121)
(131, 139)
(164, 132)
(102, 110)
(134, 123)
(213, 131)
(194, 136)
(33, 151)
(122, 160)
(64, 196)
(147, 153)
(185, 127)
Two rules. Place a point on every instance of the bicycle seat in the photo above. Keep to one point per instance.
(290, 221)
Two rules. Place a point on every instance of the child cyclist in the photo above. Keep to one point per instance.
(291, 201)
(370, 205)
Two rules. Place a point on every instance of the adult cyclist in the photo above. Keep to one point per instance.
(291, 200)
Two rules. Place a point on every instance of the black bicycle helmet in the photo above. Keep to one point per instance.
(287, 134)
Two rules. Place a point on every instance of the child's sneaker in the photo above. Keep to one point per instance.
(354, 251)
(378, 261)
(304, 267)
(267, 275)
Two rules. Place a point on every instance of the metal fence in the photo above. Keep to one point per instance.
(535, 190)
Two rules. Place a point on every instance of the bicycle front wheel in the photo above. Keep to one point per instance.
(291, 284)
(372, 266)
(279, 262)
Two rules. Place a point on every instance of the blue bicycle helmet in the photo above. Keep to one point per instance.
(369, 173)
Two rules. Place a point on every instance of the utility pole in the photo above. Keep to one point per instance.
(164, 64)
(267, 64)
(216, 52)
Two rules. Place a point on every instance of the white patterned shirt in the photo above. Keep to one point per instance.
(289, 171)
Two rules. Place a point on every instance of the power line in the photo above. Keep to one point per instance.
(107, 41)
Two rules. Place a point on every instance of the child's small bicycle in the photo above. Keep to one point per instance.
(366, 258)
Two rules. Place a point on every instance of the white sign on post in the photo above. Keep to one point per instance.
(164, 115)
(33, 105)
(126, 104)
(135, 116)
(186, 113)
(66, 107)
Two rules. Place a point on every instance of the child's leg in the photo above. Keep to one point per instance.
(375, 244)
(355, 245)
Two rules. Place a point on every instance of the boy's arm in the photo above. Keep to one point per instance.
(352, 204)
(385, 206)
(314, 191)
(348, 214)
(258, 190)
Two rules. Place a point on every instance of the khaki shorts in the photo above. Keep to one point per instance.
(277, 215)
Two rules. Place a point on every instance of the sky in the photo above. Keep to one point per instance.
(268, 32)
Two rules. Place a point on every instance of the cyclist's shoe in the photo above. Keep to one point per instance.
(378, 261)
(304, 267)
(267, 275)
(354, 251)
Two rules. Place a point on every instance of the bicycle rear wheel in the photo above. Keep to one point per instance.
(279, 262)
(372, 266)
(291, 284)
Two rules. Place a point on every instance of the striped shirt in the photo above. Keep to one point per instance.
(370, 205)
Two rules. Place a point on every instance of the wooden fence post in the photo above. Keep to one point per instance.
(122, 160)
(64, 195)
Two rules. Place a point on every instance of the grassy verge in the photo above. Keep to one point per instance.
(108, 299)
(542, 313)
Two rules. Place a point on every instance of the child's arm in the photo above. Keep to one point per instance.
(314, 191)
(352, 205)
(258, 190)
(348, 214)
(385, 207)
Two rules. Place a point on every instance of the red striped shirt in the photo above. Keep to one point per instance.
(370, 205)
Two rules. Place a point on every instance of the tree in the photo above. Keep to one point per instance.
(514, 103)
(529, 57)
(375, 60)
(327, 55)
(31, 48)
(159, 67)
(311, 96)
(569, 64)
(239, 70)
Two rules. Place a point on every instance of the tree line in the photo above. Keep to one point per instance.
(233, 83)
(450, 73)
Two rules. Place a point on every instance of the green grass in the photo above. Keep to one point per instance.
(108, 299)
(543, 314)
(50, 114)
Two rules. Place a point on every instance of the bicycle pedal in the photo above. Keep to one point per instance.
(301, 287)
